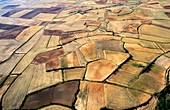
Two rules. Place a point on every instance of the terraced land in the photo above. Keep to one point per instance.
(85, 54)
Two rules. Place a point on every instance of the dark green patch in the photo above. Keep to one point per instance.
(134, 92)
(138, 65)
(83, 94)
(164, 99)
(63, 63)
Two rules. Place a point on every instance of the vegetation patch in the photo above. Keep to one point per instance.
(164, 99)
